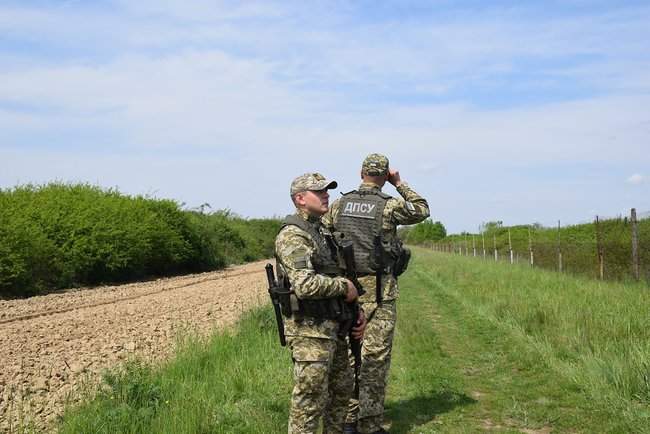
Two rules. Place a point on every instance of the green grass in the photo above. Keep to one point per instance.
(541, 349)
(479, 347)
(236, 382)
(578, 243)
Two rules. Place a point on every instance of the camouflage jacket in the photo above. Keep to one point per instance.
(410, 209)
(293, 252)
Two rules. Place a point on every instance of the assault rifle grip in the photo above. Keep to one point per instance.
(273, 286)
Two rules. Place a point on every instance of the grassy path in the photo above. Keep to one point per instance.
(464, 364)
(479, 348)
(465, 375)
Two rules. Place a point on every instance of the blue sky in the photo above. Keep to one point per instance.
(516, 111)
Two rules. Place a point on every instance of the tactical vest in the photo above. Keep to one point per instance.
(325, 257)
(360, 219)
(325, 261)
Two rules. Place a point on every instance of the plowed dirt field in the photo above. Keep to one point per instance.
(52, 345)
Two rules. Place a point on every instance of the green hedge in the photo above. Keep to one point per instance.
(61, 235)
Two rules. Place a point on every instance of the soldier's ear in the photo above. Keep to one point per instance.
(299, 199)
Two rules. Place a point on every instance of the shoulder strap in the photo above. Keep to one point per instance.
(373, 192)
(303, 224)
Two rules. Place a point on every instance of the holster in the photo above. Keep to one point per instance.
(402, 262)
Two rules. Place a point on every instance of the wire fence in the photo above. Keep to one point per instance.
(608, 248)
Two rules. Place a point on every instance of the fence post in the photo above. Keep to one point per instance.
(496, 252)
(512, 257)
(635, 244)
(530, 248)
(483, 237)
(599, 251)
(559, 250)
(473, 246)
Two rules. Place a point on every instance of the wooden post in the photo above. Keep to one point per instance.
(496, 252)
(483, 237)
(473, 246)
(530, 248)
(512, 257)
(599, 251)
(635, 244)
(559, 250)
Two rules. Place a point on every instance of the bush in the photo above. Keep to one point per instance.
(425, 231)
(60, 235)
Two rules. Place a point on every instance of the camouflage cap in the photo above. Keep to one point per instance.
(375, 165)
(311, 181)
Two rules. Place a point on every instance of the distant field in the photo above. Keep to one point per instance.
(582, 246)
(479, 347)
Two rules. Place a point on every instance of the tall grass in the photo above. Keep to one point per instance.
(60, 235)
(597, 334)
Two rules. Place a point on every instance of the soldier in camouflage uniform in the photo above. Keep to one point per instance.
(362, 215)
(307, 257)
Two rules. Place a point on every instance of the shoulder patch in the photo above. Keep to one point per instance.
(410, 207)
(300, 262)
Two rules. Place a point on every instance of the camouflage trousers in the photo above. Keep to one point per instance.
(322, 384)
(368, 411)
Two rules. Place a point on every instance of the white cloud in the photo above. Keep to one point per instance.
(636, 179)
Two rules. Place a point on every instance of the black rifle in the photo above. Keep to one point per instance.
(355, 344)
(379, 261)
(274, 292)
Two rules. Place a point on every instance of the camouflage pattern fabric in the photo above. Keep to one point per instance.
(311, 181)
(410, 209)
(323, 383)
(294, 250)
(378, 336)
(323, 378)
(376, 356)
(375, 165)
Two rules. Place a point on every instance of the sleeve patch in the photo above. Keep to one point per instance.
(410, 207)
(300, 262)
